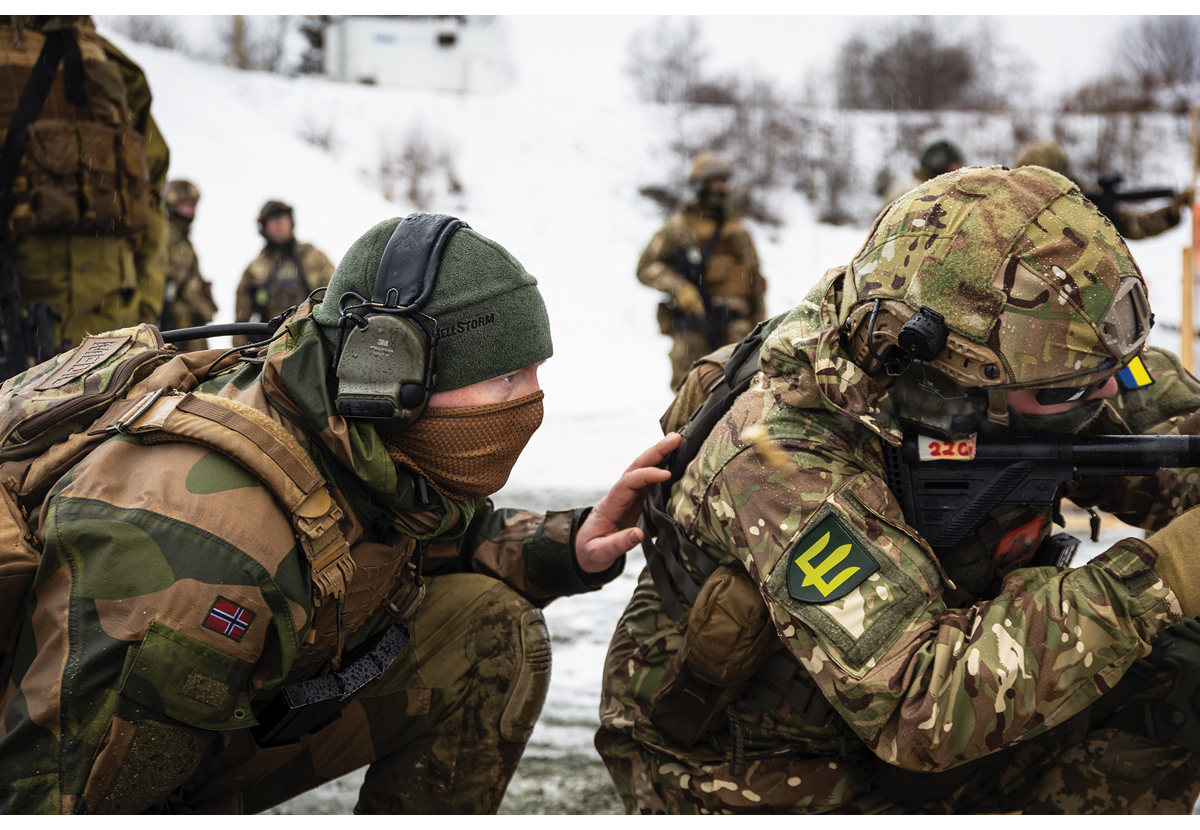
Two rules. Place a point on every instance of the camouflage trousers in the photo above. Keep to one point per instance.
(692, 344)
(441, 732)
(1073, 769)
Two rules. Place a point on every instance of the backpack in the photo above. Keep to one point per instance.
(128, 381)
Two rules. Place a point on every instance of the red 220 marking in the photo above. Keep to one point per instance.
(949, 450)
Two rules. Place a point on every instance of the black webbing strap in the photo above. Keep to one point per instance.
(780, 681)
(58, 44)
(302, 707)
(664, 542)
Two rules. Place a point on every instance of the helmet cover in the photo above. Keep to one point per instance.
(1036, 287)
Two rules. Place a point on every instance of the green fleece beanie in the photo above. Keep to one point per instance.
(490, 315)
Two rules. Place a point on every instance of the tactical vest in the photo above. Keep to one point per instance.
(730, 650)
(129, 382)
(83, 169)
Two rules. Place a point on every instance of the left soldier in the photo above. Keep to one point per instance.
(194, 644)
(82, 168)
(187, 298)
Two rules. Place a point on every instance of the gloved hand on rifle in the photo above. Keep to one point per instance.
(688, 300)
(1177, 561)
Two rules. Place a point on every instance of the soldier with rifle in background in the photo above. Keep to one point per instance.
(704, 259)
(1129, 223)
(82, 168)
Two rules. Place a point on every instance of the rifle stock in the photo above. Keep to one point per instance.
(945, 501)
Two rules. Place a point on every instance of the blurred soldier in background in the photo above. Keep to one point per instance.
(81, 169)
(1129, 223)
(704, 259)
(285, 272)
(187, 299)
(936, 159)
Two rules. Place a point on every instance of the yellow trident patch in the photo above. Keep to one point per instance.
(827, 563)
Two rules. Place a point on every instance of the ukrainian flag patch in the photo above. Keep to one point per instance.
(1135, 375)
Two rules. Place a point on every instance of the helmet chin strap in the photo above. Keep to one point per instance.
(998, 406)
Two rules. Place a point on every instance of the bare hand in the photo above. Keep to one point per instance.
(609, 531)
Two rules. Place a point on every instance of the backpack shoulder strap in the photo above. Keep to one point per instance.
(664, 541)
(269, 452)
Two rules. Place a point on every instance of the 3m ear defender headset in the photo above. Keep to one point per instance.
(385, 357)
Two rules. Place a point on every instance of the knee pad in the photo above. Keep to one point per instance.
(527, 693)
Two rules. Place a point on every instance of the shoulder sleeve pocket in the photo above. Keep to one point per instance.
(854, 576)
(182, 678)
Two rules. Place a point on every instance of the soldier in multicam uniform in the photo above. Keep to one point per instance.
(285, 272)
(84, 225)
(831, 662)
(938, 158)
(187, 299)
(173, 601)
(1129, 223)
(716, 290)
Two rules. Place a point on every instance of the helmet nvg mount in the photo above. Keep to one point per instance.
(989, 279)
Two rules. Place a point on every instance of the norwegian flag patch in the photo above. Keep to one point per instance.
(228, 618)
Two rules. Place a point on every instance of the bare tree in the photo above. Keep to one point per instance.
(920, 66)
(665, 62)
(1160, 51)
(411, 166)
(254, 44)
(314, 27)
(152, 29)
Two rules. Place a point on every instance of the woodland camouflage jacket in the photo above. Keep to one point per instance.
(172, 588)
(923, 677)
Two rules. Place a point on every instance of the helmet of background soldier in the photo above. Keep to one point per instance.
(272, 208)
(180, 190)
(940, 157)
(988, 279)
(707, 167)
(1048, 154)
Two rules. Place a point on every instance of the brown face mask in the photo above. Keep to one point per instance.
(467, 452)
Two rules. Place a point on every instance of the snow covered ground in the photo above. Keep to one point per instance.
(551, 169)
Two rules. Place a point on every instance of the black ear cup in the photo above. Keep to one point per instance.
(388, 346)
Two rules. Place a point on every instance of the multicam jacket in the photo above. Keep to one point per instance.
(790, 486)
(732, 277)
(172, 589)
(187, 300)
(280, 277)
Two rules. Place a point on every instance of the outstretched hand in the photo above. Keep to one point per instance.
(609, 530)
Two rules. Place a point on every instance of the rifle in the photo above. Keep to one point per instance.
(1107, 198)
(716, 318)
(26, 338)
(946, 500)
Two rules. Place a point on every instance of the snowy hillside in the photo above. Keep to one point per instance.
(550, 169)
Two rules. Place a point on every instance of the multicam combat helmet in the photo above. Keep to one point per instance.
(995, 279)
(273, 207)
(1048, 154)
(939, 157)
(706, 167)
(178, 191)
